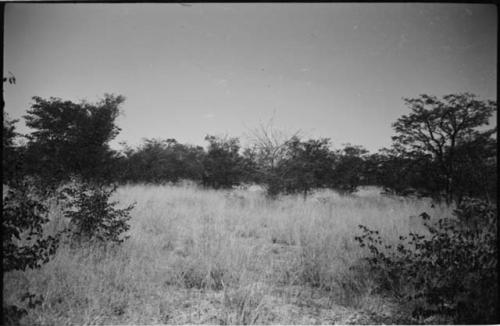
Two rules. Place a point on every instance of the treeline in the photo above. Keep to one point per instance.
(440, 149)
(300, 167)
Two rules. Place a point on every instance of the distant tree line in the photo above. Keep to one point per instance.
(440, 149)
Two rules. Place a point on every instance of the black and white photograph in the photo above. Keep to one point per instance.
(279, 163)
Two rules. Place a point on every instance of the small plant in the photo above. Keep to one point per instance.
(93, 217)
(450, 273)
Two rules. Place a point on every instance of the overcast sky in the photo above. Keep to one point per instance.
(330, 69)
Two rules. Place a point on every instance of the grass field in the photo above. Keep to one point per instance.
(221, 257)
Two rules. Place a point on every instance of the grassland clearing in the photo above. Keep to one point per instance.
(221, 257)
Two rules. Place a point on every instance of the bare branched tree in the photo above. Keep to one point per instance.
(269, 144)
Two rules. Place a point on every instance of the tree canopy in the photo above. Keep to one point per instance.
(223, 166)
(71, 138)
(438, 127)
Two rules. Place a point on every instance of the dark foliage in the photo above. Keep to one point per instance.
(307, 165)
(223, 166)
(23, 242)
(475, 168)
(23, 218)
(160, 161)
(11, 154)
(437, 128)
(93, 217)
(403, 175)
(349, 171)
(71, 139)
(451, 273)
(268, 149)
(311, 164)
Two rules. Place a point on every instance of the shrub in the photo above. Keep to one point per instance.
(92, 216)
(23, 243)
(450, 273)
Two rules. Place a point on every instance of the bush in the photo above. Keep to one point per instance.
(23, 243)
(449, 273)
(92, 216)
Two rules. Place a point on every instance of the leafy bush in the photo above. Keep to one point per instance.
(23, 219)
(223, 165)
(23, 243)
(450, 273)
(92, 216)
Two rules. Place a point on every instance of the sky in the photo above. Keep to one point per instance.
(334, 70)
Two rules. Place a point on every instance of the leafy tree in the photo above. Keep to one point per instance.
(223, 165)
(190, 160)
(349, 168)
(152, 162)
(308, 165)
(23, 217)
(475, 170)
(160, 161)
(11, 154)
(438, 126)
(373, 171)
(23, 214)
(402, 174)
(252, 172)
(72, 139)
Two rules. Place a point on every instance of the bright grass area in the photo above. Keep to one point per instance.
(217, 256)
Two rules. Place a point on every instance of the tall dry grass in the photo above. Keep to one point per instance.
(207, 256)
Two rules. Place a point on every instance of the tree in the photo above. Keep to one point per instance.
(223, 165)
(11, 154)
(11, 162)
(268, 148)
(72, 138)
(349, 168)
(403, 175)
(23, 217)
(438, 126)
(160, 161)
(475, 170)
(308, 165)
(269, 144)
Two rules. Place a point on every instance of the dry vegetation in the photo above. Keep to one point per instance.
(222, 257)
